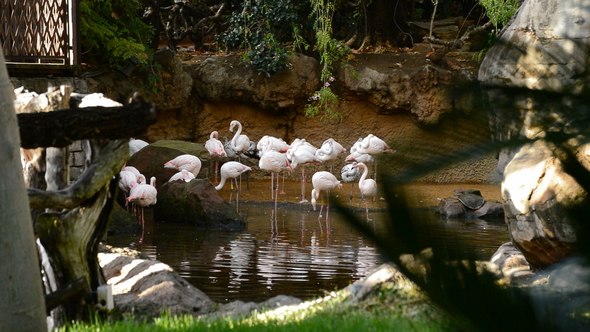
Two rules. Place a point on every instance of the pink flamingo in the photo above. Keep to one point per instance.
(216, 149)
(368, 187)
(326, 182)
(185, 161)
(144, 195)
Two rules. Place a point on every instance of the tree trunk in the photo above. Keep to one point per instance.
(22, 307)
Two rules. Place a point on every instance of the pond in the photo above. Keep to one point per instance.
(295, 253)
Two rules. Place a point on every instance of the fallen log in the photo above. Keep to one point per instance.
(62, 127)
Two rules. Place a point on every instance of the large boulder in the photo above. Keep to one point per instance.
(195, 203)
(151, 159)
(531, 76)
(537, 194)
(148, 289)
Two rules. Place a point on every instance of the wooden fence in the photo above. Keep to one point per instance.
(40, 34)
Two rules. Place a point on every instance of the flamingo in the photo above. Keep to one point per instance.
(368, 187)
(239, 143)
(329, 151)
(350, 175)
(127, 180)
(359, 157)
(136, 145)
(228, 149)
(326, 182)
(231, 170)
(144, 195)
(302, 153)
(274, 162)
(183, 175)
(216, 149)
(271, 143)
(132, 170)
(373, 145)
(185, 161)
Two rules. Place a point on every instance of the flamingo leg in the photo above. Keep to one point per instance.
(303, 200)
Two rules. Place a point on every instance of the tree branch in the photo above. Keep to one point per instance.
(61, 128)
(108, 163)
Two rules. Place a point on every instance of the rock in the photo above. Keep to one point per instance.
(196, 203)
(229, 78)
(121, 222)
(146, 289)
(471, 198)
(537, 195)
(451, 208)
(490, 210)
(150, 160)
(512, 263)
(174, 90)
(237, 309)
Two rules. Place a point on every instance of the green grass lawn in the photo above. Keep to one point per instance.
(389, 308)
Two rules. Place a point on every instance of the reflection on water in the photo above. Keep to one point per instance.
(296, 254)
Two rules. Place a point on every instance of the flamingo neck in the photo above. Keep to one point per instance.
(238, 132)
(365, 173)
(221, 182)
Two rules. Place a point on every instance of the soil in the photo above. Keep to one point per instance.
(419, 194)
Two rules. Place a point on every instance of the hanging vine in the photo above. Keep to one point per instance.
(330, 50)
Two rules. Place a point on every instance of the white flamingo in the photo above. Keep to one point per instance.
(368, 187)
(302, 153)
(323, 182)
(373, 145)
(183, 175)
(186, 161)
(329, 151)
(239, 143)
(216, 150)
(136, 145)
(274, 162)
(231, 170)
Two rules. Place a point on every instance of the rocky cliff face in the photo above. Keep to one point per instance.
(399, 97)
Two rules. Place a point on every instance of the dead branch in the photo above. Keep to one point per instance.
(108, 163)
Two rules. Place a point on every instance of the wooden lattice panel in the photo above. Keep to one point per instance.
(34, 29)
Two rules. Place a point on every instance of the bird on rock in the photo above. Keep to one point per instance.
(186, 161)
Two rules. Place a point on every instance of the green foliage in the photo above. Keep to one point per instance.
(113, 31)
(262, 29)
(500, 11)
(324, 101)
(330, 50)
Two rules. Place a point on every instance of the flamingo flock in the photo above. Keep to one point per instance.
(274, 156)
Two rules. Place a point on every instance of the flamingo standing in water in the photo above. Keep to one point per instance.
(373, 145)
(274, 162)
(144, 195)
(329, 151)
(216, 149)
(323, 182)
(368, 187)
(231, 170)
(302, 153)
(270, 143)
(186, 161)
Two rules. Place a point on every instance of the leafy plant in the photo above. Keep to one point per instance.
(113, 31)
(499, 12)
(262, 29)
(330, 50)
